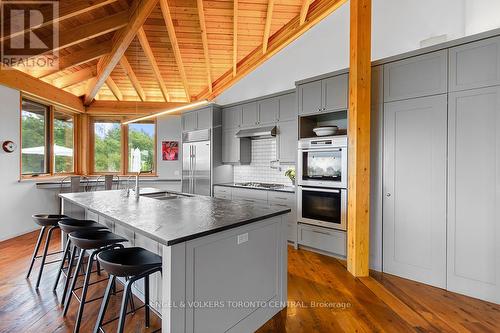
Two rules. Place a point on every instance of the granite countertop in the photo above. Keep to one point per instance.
(286, 188)
(175, 220)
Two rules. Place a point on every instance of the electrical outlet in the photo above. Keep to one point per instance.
(243, 238)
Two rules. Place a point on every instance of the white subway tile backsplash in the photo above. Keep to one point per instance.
(259, 170)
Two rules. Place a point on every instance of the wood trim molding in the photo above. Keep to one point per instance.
(358, 201)
(42, 90)
(129, 108)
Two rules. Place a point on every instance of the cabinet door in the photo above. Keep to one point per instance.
(231, 117)
(475, 65)
(189, 121)
(310, 97)
(419, 76)
(229, 146)
(204, 118)
(268, 110)
(287, 107)
(414, 206)
(249, 115)
(287, 141)
(474, 193)
(335, 91)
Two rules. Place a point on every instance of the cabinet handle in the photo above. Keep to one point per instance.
(321, 232)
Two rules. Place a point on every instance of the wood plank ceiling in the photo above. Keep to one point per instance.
(180, 51)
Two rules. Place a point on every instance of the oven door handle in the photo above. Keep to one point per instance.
(318, 190)
(320, 150)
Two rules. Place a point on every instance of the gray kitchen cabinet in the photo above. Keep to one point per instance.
(268, 110)
(287, 141)
(330, 240)
(310, 97)
(231, 117)
(234, 149)
(419, 76)
(189, 121)
(287, 107)
(197, 120)
(249, 115)
(335, 91)
(330, 94)
(474, 193)
(250, 195)
(475, 65)
(414, 185)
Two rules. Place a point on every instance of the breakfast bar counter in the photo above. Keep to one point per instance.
(224, 262)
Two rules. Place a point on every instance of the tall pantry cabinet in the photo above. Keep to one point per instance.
(441, 168)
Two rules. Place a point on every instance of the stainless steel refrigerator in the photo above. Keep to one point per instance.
(196, 163)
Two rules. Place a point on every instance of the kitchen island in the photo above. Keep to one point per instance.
(224, 262)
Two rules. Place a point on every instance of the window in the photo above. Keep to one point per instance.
(107, 146)
(122, 149)
(63, 143)
(141, 147)
(34, 138)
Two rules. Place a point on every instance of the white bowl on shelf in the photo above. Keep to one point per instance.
(326, 130)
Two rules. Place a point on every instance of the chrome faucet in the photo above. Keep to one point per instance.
(137, 187)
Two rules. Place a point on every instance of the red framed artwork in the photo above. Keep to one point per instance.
(170, 150)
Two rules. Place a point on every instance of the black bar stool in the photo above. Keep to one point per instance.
(132, 262)
(93, 242)
(45, 221)
(68, 226)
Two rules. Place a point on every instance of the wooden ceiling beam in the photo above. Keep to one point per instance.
(129, 107)
(25, 83)
(235, 37)
(141, 35)
(291, 31)
(267, 27)
(77, 58)
(74, 78)
(133, 78)
(69, 10)
(303, 10)
(121, 42)
(114, 88)
(167, 17)
(204, 40)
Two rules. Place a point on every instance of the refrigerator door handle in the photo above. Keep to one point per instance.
(190, 169)
(194, 169)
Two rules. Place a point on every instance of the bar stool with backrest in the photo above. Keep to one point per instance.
(45, 221)
(68, 226)
(134, 263)
(92, 242)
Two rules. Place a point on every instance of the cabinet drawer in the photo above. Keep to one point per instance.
(251, 195)
(329, 240)
(282, 198)
(475, 65)
(416, 77)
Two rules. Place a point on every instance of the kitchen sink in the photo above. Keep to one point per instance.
(166, 195)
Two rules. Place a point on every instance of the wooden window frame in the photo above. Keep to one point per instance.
(123, 144)
(49, 140)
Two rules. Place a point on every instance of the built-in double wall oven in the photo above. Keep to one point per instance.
(322, 182)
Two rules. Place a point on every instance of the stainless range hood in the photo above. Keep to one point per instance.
(257, 133)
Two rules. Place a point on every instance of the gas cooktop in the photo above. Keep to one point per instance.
(261, 185)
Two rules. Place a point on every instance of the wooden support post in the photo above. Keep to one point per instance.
(358, 222)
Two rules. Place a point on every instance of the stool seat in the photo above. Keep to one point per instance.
(71, 225)
(128, 261)
(48, 220)
(88, 240)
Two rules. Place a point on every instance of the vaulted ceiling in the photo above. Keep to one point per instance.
(168, 50)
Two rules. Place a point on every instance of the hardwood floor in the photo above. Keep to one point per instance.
(323, 297)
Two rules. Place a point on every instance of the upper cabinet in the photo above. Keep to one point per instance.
(419, 76)
(231, 117)
(268, 110)
(287, 107)
(249, 115)
(475, 65)
(197, 120)
(330, 94)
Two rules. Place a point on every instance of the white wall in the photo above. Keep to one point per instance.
(398, 26)
(18, 200)
(168, 128)
(481, 15)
